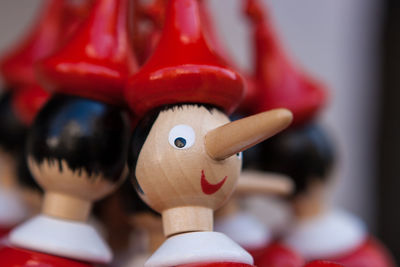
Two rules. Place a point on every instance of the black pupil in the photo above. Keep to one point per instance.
(180, 142)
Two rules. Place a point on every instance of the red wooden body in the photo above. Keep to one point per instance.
(15, 257)
(216, 264)
(323, 264)
(370, 254)
(276, 255)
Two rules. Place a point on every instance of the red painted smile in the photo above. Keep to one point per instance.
(209, 188)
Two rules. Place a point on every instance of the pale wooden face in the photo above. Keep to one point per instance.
(73, 183)
(174, 169)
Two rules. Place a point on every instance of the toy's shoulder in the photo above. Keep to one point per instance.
(370, 253)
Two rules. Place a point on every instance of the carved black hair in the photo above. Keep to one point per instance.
(88, 135)
(12, 130)
(303, 154)
(142, 130)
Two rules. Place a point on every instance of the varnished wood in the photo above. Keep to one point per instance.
(257, 182)
(187, 219)
(69, 194)
(172, 179)
(66, 206)
(242, 134)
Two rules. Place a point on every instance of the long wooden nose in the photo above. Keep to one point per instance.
(237, 136)
(264, 183)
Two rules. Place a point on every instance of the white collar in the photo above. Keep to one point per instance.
(328, 235)
(244, 229)
(12, 208)
(198, 247)
(75, 240)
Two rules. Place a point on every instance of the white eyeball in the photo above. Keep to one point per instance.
(239, 155)
(181, 136)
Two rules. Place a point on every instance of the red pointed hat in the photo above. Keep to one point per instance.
(145, 39)
(183, 68)
(17, 65)
(97, 59)
(276, 82)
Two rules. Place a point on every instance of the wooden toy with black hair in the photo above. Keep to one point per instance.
(77, 145)
(21, 99)
(185, 154)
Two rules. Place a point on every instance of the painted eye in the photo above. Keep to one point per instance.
(181, 136)
(239, 155)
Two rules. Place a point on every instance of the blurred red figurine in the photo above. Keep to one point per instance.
(22, 98)
(77, 145)
(305, 154)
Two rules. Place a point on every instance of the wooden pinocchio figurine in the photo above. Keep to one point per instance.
(306, 154)
(19, 103)
(78, 142)
(185, 156)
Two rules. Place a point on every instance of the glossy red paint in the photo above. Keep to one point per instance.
(209, 188)
(17, 65)
(217, 264)
(370, 254)
(15, 257)
(276, 81)
(97, 59)
(323, 264)
(28, 101)
(276, 255)
(145, 39)
(183, 67)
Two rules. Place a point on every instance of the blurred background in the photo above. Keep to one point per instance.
(351, 46)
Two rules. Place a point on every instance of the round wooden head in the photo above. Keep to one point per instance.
(183, 173)
(76, 152)
(186, 160)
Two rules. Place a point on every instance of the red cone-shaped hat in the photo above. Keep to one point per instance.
(147, 23)
(183, 68)
(17, 65)
(97, 60)
(276, 82)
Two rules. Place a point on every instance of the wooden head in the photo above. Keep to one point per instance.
(189, 164)
(76, 152)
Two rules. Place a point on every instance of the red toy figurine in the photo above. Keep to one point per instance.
(78, 142)
(305, 154)
(19, 103)
(185, 157)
